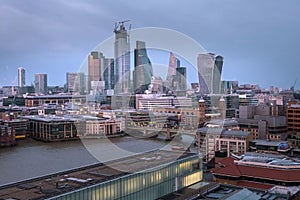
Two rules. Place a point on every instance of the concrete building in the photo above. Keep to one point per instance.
(21, 77)
(150, 101)
(211, 140)
(143, 70)
(41, 84)
(75, 83)
(34, 101)
(122, 59)
(52, 128)
(210, 69)
(96, 127)
(263, 121)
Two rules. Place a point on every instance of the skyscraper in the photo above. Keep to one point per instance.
(95, 68)
(109, 73)
(143, 70)
(21, 77)
(180, 79)
(75, 82)
(173, 64)
(40, 82)
(122, 59)
(209, 72)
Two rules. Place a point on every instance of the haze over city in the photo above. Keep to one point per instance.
(258, 39)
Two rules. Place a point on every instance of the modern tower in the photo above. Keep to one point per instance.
(143, 70)
(122, 59)
(96, 67)
(209, 72)
(40, 82)
(173, 64)
(75, 82)
(21, 77)
(180, 79)
(109, 73)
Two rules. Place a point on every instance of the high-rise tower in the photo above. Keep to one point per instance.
(75, 82)
(95, 68)
(209, 72)
(40, 83)
(143, 70)
(173, 64)
(21, 77)
(122, 59)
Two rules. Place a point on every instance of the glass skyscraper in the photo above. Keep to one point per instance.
(143, 70)
(209, 73)
(122, 60)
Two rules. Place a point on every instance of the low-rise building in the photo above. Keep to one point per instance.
(210, 140)
(259, 169)
(7, 135)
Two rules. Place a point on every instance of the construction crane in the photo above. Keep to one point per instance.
(121, 25)
(293, 86)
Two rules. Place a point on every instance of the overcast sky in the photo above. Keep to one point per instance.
(259, 39)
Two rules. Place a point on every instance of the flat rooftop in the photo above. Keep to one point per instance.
(62, 182)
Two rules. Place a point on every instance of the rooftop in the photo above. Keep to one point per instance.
(62, 182)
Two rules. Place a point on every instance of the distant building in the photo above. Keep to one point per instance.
(150, 101)
(34, 101)
(262, 120)
(210, 69)
(21, 77)
(75, 83)
(109, 74)
(95, 69)
(143, 70)
(7, 135)
(180, 81)
(174, 63)
(229, 87)
(41, 83)
(122, 60)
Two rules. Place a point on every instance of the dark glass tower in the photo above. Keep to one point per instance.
(143, 70)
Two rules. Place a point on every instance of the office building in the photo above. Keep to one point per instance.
(95, 70)
(75, 83)
(174, 63)
(122, 59)
(21, 77)
(109, 73)
(143, 71)
(293, 117)
(41, 84)
(210, 140)
(209, 71)
(180, 80)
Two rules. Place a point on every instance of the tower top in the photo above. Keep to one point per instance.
(119, 26)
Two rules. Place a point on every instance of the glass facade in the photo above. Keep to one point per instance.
(148, 184)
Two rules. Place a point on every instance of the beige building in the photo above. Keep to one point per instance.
(210, 140)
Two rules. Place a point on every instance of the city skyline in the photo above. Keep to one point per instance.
(251, 44)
